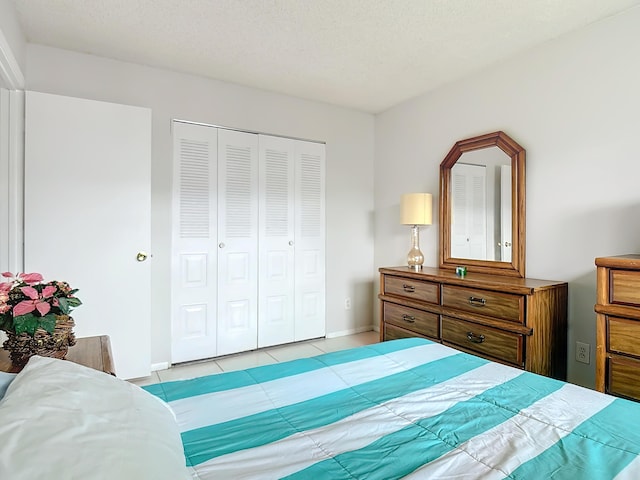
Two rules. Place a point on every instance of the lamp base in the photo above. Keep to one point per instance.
(415, 259)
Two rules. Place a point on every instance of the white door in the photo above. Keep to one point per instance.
(276, 241)
(505, 213)
(87, 215)
(194, 251)
(309, 240)
(237, 241)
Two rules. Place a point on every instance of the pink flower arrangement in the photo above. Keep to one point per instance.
(28, 303)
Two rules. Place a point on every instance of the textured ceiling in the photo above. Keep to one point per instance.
(364, 54)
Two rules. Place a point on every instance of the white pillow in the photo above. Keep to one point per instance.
(60, 420)
(5, 380)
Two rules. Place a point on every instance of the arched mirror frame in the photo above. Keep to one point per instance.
(517, 154)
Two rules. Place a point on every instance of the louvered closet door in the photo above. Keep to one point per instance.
(276, 245)
(237, 241)
(309, 240)
(469, 231)
(194, 258)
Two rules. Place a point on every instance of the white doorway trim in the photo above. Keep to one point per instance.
(10, 72)
(11, 158)
(11, 180)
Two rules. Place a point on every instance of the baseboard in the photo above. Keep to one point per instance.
(368, 328)
(351, 331)
(160, 366)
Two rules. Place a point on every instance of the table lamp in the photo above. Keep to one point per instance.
(415, 210)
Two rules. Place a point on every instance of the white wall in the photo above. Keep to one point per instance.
(574, 105)
(347, 133)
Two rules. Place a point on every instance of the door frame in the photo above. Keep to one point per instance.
(11, 179)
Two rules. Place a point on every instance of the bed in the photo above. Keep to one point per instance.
(406, 408)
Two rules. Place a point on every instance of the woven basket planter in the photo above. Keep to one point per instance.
(24, 346)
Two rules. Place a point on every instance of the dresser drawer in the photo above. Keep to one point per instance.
(414, 289)
(623, 377)
(623, 336)
(424, 323)
(485, 302)
(391, 332)
(488, 341)
(625, 287)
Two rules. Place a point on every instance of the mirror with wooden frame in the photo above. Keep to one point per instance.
(482, 206)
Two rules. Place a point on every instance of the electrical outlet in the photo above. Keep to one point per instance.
(582, 352)
(347, 303)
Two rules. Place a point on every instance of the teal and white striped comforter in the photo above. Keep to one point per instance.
(401, 409)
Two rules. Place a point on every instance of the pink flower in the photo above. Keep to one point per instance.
(5, 287)
(30, 278)
(37, 302)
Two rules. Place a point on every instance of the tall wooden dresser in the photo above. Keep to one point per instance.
(518, 321)
(618, 326)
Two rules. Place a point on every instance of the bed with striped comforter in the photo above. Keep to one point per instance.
(406, 408)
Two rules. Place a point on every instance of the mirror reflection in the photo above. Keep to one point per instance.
(481, 205)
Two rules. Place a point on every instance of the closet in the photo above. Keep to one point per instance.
(248, 241)
(469, 198)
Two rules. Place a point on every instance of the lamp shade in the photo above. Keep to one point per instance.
(416, 209)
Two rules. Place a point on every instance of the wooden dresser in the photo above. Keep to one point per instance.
(93, 352)
(618, 326)
(517, 321)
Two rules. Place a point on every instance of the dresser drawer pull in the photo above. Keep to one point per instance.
(409, 318)
(477, 302)
(472, 337)
(408, 288)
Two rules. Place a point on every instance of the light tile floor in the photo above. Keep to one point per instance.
(260, 357)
